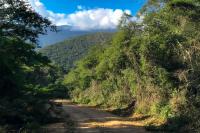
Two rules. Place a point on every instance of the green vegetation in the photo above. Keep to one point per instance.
(28, 79)
(66, 53)
(155, 62)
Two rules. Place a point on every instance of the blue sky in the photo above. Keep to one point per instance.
(87, 14)
(70, 6)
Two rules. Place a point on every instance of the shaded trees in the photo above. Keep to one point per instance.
(21, 99)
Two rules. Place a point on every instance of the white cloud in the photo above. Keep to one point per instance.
(80, 7)
(56, 18)
(95, 19)
(82, 19)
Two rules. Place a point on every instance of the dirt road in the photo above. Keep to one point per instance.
(90, 120)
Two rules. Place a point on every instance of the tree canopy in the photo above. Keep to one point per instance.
(18, 19)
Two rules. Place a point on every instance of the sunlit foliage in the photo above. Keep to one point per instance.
(155, 62)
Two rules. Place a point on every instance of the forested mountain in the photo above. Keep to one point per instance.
(63, 32)
(66, 53)
(154, 63)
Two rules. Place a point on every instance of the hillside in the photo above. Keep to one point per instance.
(152, 65)
(64, 32)
(145, 76)
(69, 51)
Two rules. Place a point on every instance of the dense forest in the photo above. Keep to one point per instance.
(66, 53)
(154, 62)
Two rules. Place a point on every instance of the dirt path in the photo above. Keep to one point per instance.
(90, 120)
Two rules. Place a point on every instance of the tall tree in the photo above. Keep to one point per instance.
(18, 23)
(18, 19)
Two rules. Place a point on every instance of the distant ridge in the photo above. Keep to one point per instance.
(64, 32)
(67, 52)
